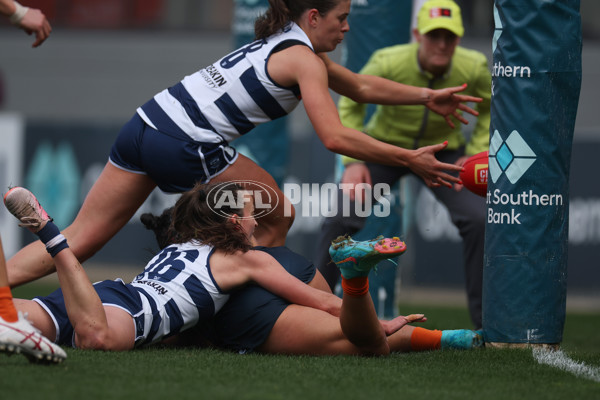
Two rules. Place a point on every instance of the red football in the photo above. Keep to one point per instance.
(475, 174)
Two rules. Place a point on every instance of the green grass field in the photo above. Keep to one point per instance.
(174, 374)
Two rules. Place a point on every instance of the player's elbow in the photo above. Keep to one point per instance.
(360, 93)
(92, 339)
(334, 144)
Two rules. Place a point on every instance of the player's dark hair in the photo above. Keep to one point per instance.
(161, 226)
(199, 216)
(281, 12)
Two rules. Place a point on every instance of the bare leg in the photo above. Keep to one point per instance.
(3, 274)
(304, 330)
(358, 317)
(83, 306)
(8, 312)
(273, 227)
(38, 317)
(109, 205)
(361, 326)
(400, 341)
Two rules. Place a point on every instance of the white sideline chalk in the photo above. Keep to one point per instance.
(558, 359)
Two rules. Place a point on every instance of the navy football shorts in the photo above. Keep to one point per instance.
(113, 293)
(176, 164)
(246, 320)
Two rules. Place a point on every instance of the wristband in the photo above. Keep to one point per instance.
(20, 12)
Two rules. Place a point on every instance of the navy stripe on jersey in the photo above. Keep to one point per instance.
(175, 317)
(261, 95)
(191, 107)
(162, 121)
(234, 114)
(204, 303)
(209, 269)
(156, 318)
(296, 90)
(285, 45)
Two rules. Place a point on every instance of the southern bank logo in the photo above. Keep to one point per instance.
(512, 156)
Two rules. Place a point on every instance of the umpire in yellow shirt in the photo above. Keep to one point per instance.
(436, 61)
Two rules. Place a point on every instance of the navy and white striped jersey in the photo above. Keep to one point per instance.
(177, 290)
(228, 98)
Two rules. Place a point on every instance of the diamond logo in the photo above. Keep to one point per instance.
(512, 157)
(498, 28)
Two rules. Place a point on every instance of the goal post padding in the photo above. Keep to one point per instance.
(536, 81)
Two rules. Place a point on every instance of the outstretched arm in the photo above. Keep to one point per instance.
(232, 271)
(377, 90)
(336, 137)
(299, 65)
(268, 273)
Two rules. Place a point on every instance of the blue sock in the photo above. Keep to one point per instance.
(50, 235)
(461, 339)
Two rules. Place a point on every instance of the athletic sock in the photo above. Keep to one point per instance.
(425, 339)
(50, 235)
(8, 312)
(355, 287)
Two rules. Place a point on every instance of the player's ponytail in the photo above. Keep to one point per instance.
(281, 12)
(273, 20)
(161, 226)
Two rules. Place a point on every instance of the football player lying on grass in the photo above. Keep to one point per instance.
(255, 319)
(189, 281)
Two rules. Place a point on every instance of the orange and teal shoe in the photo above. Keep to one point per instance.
(358, 258)
(462, 339)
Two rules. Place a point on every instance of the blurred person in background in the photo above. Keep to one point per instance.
(434, 60)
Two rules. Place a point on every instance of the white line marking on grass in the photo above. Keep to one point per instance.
(558, 359)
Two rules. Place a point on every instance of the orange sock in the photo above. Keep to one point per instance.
(355, 287)
(425, 339)
(8, 312)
